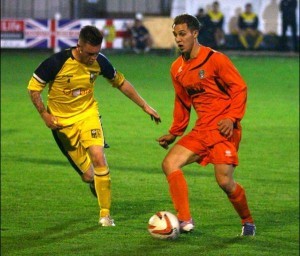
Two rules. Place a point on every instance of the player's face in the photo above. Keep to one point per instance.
(184, 38)
(88, 53)
(248, 8)
(215, 7)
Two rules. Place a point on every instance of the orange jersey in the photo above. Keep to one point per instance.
(212, 85)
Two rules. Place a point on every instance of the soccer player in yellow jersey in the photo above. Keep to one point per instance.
(72, 111)
(248, 27)
(216, 21)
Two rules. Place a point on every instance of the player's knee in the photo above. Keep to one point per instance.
(226, 184)
(168, 165)
(164, 165)
(88, 176)
(223, 183)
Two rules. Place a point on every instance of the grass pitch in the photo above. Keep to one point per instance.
(47, 210)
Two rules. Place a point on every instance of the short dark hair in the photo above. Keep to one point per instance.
(191, 21)
(90, 34)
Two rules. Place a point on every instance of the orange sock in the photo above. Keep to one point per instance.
(239, 202)
(179, 194)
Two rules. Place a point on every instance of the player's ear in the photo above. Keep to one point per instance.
(78, 48)
(195, 33)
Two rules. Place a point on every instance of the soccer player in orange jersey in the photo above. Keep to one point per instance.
(72, 110)
(207, 81)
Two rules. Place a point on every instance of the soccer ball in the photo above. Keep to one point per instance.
(163, 225)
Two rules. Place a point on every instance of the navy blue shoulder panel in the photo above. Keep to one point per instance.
(49, 68)
(107, 69)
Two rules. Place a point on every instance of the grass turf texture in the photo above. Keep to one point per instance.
(47, 210)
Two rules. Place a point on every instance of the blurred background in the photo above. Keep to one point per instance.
(77, 9)
(55, 24)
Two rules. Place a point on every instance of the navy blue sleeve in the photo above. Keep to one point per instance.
(107, 69)
(49, 68)
(255, 25)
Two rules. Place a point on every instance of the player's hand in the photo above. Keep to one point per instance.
(51, 121)
(153, 114)
(165, 140)
(225, 127)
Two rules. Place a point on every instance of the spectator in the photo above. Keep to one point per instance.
(233, 22)
(127, 36)
(216, 21)
(288, 11)
(248, 28)
(205, 35)
(141, 40)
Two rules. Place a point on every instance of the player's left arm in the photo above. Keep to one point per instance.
(221, 22)
(118, 80)
(255, 25)
(127, 89)
(237, 90)
(235, 86)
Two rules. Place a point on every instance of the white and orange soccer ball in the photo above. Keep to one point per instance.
(164, 225)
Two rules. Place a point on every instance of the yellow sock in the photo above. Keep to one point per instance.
(244, 41)
(258, 41)
(103, 190)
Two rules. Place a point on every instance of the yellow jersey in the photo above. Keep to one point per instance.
(216, 18)
(71, 85)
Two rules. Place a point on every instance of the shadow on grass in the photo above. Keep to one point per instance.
(40, 160)
(197, 170)
(56, 234)
(195, 243)
(194, 170)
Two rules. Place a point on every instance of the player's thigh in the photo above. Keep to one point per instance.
(81, 158)
(68, 140)
(93, 140)
(91, 132)
(97, 156)
(177, 157)
(224, 152)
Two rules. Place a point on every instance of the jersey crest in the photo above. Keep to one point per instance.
(96, 133)
(201, 73)
(93, 76)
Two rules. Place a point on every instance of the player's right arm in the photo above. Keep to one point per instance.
(45, 73)
(165, 140)
(117, 80)
(50, 120)
(181, 114)
(182, 109)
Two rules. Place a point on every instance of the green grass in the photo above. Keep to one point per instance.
(47, 210)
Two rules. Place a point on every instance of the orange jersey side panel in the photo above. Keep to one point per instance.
(212, 85)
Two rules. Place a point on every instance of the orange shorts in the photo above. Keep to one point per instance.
(212, 147)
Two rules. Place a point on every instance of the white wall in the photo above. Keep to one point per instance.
(267, 11)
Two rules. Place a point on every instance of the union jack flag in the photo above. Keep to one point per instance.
(60, 34)
(51, 33)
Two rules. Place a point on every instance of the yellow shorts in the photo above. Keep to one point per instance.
(74, 140)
